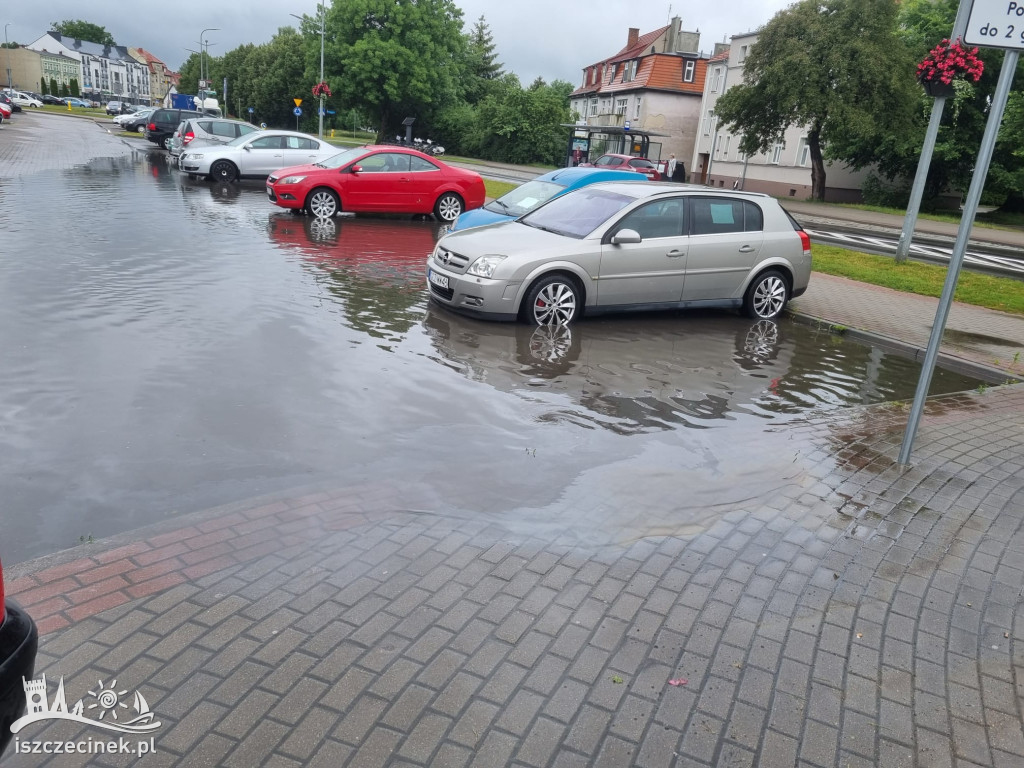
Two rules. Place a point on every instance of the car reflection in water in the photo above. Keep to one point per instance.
(372, 267)
(627, 376)
(660, 372)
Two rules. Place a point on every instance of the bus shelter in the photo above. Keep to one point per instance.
(589, 142)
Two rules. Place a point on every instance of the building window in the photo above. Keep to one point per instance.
(636, 113)
(725, 148)
(620, 106)
(777, 152)
(716, 79)
(593, 107)
(743, 54)
(709, 118)
(803, 154)
(688, 70)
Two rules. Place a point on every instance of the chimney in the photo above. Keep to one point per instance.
(634, 35)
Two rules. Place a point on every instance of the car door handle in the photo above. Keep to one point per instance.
(747, 249)
(675, 254)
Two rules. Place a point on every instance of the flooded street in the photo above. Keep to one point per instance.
(171, 345)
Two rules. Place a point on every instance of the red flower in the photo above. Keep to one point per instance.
(322, 89)
(948, 61)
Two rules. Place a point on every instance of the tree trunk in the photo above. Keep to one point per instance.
(817, 163)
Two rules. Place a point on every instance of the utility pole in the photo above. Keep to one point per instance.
(322, 13)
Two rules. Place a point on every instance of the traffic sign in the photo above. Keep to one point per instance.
(322, 111)
(297, 111)
(298, 102)
(331, 112)
(626, 126)
(263, 126)
(251, 110)
(996, 24)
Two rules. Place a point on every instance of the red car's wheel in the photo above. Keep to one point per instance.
(323, 203)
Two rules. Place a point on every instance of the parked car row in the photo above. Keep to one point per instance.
(24, 98)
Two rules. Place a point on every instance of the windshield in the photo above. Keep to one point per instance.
(342, 158)
(578, 213)
(524, 198)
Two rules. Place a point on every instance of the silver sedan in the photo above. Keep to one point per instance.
(617, 246)
(256, 155)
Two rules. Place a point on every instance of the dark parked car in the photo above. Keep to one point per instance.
(18, 642)
(163, 122)
(49, 98)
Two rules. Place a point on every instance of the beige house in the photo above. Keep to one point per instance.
(785, 171)
(22, 69)
(655, 82)
(161, 78)
(108, 71)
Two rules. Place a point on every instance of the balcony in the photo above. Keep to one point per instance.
(612, 119)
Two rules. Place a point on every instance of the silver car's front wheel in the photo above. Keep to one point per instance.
(767, 296)
(553, 300)
(322, 203)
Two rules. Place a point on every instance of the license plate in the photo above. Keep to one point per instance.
(441, 281)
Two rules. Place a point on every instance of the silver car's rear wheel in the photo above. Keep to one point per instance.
(767, 296)
(553, 300)
(322, 203)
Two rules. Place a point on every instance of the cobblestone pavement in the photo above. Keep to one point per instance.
(33, 142)
(860, 614)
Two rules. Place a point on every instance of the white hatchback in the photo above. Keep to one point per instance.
(256, 155)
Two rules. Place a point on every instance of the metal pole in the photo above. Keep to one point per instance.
(10, 84)
(988, 142)
(925, 161)
(202, 36)
(323, 21)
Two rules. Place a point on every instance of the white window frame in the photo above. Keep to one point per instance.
(716, 79)
(621, 105)
(593, 107)
(777, 150)
(803, 153)
(725, 148)
(743, 54)
(636, 112)
(709, 118)
(689, 69)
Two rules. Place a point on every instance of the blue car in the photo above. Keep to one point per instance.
(528, 196)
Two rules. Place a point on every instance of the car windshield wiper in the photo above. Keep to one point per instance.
(319, 165)
(504, 207)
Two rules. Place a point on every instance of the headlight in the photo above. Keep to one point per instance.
(291, 180)
(195, 157)
(485, 265)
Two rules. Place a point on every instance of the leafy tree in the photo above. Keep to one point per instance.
(11, 44)
(834, 66)
(73, 88)
(519, 125)
(270, 76)
(83, 30)
(395, 58)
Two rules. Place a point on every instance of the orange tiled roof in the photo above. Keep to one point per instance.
(723, 56)
(659, 72)
(639, 47)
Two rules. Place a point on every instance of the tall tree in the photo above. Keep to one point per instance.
(84, 30)
(395, 58)
(836, 67)
(482, 66)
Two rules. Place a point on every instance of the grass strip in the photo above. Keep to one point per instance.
(1002, 293)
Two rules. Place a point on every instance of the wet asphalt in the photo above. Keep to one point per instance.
(170, 345)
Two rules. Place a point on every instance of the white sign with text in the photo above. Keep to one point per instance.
(996, 24)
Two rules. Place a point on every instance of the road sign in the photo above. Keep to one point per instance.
(251, 110)
(263, 126)
(297, 111)
(626, 126)
(298, 102)
(322, 111)
(331, 112)
(996, 24)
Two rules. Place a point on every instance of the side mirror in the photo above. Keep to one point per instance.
(247, 147)
(355, 169)
(626, 237)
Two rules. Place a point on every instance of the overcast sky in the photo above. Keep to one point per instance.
(551, 38)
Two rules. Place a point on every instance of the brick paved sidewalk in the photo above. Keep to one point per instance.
(857, 616)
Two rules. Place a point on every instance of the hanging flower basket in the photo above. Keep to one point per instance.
(946, 63)
(322, 90)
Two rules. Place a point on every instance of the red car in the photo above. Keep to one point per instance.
(18, 641)
(5, 111)
(377, 179)
(627, 163)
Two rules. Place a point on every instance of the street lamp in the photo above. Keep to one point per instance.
(321, 11)
(7, 46)
(202, 42)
